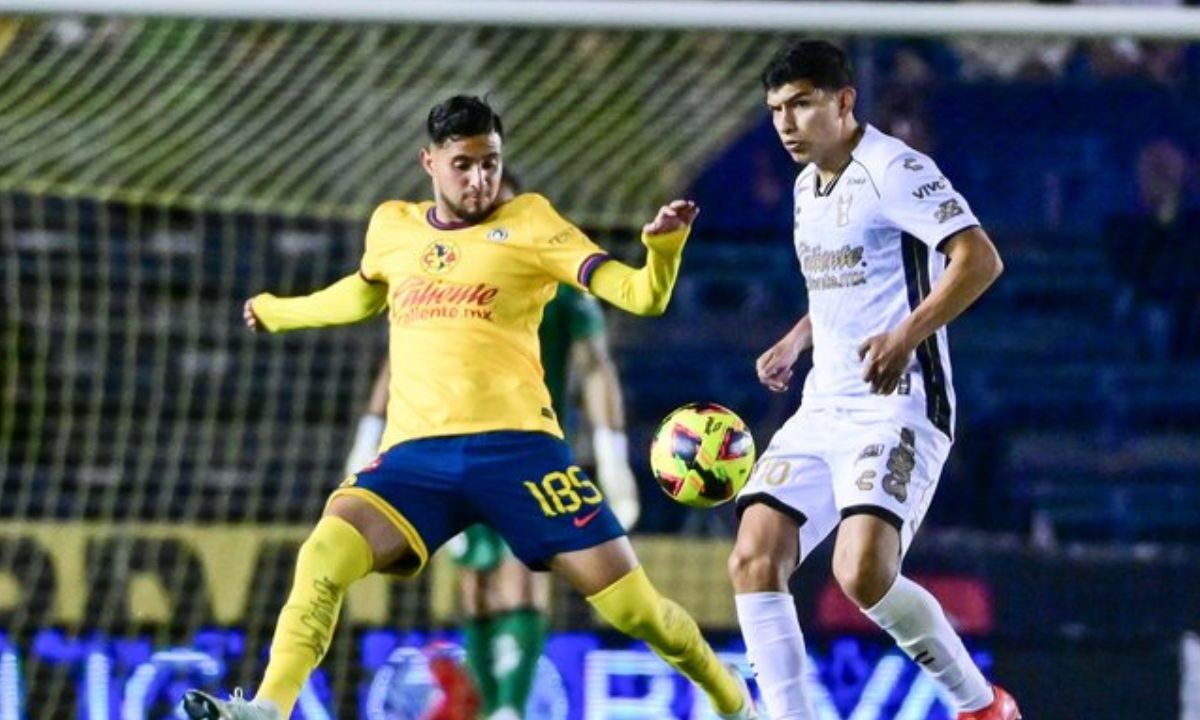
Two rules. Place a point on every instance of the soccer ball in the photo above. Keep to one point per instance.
(702, 454)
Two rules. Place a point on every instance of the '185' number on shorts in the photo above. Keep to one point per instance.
(563, 493)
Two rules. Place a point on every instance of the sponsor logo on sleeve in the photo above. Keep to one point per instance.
(947, 210)
(913, 165)
(930, 188)
(561, 237)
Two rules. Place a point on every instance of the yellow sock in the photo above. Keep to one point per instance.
(634, 607)
(330, 561)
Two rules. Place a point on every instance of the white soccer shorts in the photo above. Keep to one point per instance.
(825, 464)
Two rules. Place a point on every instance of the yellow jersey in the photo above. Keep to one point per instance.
(464, 304)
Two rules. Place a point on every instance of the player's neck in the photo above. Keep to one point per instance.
(832, 165)
(442, 217)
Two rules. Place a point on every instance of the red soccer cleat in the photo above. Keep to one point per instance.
(460, 697)
(1002, 708)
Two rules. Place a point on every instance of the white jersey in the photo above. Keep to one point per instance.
(868, 244)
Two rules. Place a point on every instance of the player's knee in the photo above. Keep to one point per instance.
(632, 606)
(639, 621)
(336, 552)
(864, 576)
(751, 570)
(766, 552)
(318, 551)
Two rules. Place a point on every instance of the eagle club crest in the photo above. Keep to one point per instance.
(439, 257)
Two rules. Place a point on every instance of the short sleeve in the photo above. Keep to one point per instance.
(563, 250)
(921, 202)
(369, 267)
(585, 318)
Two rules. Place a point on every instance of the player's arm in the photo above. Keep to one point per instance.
(974, 265)
(647, 290)
(774, 367)
(369, 431)
(605, 411)
(349, 300)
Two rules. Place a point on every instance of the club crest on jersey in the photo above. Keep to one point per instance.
(843, 210)
(498, 235)
(439, 257)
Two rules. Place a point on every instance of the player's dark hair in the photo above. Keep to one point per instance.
(462, 116)
(822, 63)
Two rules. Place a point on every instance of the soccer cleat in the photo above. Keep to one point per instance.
(1002, 708)
(202, 706)
(747, 711)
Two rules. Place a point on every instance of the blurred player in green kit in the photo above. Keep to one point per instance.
(504, 602)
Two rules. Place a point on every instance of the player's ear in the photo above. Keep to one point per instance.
(846, 97)
(426, 159)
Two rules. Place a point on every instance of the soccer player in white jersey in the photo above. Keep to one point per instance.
(890, 254)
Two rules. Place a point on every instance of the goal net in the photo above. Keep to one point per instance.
(159, 465)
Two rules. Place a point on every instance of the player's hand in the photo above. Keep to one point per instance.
(367, 436)
(774, 367)
(616, 478)
(885, 358)
(250, 318)
(674, 216)
(620, 488)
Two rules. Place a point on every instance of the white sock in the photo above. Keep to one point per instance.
(915, 619)
(775, 648)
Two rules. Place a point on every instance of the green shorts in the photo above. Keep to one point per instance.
(479, 548)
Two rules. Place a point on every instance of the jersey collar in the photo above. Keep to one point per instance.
(819, 191)
(432, 219)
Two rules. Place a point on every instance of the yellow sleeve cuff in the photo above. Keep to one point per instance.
(645, 291)
(348, 300)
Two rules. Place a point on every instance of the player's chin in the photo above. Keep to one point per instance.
(474, 212)
(800, 157)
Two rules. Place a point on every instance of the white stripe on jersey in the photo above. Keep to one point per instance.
(868, 246)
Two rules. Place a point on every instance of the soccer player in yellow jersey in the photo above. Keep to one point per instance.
(471, 435)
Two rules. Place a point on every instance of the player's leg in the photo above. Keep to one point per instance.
(387, 518)
(885, 480)
(517, 600)
(613, 581)
(786, 510)
(477, 559)
(553, 516)
(766, 553)
(504, 628)
(866, 563)
(351, 539)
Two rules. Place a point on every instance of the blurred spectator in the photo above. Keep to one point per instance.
(1164, 62)
(1012, 58)
(1126, 57)
(1008, 58)
(1154, 251)
(910, 72)
(902, 113)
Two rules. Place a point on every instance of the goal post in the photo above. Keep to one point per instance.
(851, 18)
